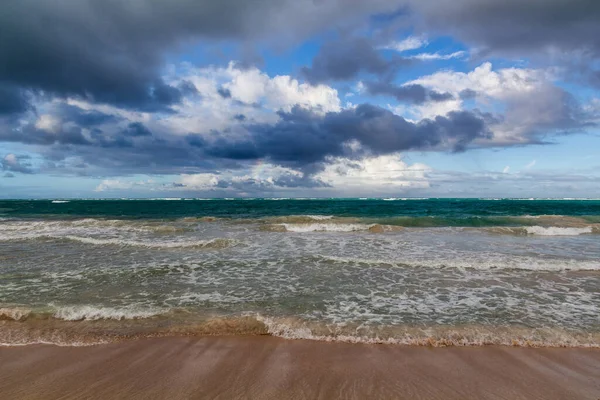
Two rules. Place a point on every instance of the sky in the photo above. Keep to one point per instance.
(299, 98)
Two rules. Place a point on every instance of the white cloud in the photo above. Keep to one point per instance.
(279, 92)
(10, 160)
(434, 108)
(49, 123)
(379, 172)
(108, 185)
(410, 43)
(199, 181)
(113, 184)
(500, 84)
(260, 174)
(438, 56)
(248, 88)
(531, 164)
(532, 105)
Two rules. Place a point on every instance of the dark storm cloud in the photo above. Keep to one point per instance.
(300, 139)
(415, 93)
(112, 51)
(137, 129)
(515, 26)
(556, 31)
(13, 100)
(345, 59)
(123, 156)
(83, 118)
(303, 138)
(30, 134)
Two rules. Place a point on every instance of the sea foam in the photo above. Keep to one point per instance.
(557, 231)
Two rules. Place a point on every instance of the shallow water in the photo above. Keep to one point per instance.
(432, 272)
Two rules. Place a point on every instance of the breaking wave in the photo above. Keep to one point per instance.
(323, 227)
(483, 263)
(91, 313)
(557, 231)
(330, 227)
(90, 326)
(431, 336)
(537, 230)
(79, 313)
(217, 243)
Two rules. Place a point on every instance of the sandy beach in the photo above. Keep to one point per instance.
(272, 368)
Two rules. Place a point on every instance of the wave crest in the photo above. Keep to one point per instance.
(91, 313)
(432, 336)
(216, 243)
(85, 327)
(14, 314)
(557, 231)
(330, 227)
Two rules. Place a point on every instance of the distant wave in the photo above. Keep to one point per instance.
(325, 227)
(298, 218)
(60, 201)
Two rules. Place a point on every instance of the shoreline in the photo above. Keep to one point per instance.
(266, 367)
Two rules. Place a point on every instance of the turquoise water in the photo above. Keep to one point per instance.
(454, 211)
(420, 271)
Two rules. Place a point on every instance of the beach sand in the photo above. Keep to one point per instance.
(265, 367)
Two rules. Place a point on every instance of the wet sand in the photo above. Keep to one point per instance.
(271, 368)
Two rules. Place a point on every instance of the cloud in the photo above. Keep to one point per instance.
(514, 27)
(410, 43)
(112, 52)
(257, 179)
(534, 107)
(531, 164)
(561, 32)
(374, 173)
(343, 60)
(13, 100)
(110, 140)
(13, 163)
(209, 135)
(302, 137)
(251, 86)
(438, 56)
(412, 93)
(136, 129)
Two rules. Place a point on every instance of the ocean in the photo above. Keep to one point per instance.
(432, 272)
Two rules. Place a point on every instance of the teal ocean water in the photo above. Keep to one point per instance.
(406, 271)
